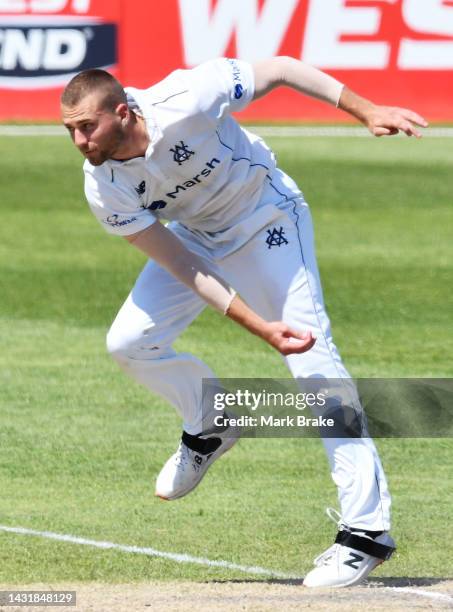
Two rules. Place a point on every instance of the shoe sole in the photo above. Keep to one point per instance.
(365, 571)
(229, 443)
(356, 580)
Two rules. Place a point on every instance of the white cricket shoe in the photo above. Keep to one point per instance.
(186, 468)
(349, 561)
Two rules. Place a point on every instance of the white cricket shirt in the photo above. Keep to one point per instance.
(201, 167)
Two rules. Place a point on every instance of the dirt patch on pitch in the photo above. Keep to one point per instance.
(251, 596)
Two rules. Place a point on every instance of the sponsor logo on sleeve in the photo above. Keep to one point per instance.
(115, 221)
(237, 79)
(238, 91)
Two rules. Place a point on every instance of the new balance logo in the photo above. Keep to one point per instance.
(156, 205)
(141, 188)
(181, 153)
(354, 560)
(275, 238)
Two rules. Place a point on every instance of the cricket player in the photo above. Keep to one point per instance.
(238, 226)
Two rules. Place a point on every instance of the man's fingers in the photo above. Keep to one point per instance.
(407, 127)
(300, 344)
(383, 131)
(288, 341)
(413, 132)
(391, 120)
(414, 117)
(301, 335)
(394, 127)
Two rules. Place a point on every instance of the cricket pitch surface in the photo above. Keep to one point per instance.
(396, 594)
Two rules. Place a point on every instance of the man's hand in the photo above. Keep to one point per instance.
(276, 333)
(286, 340)
(389, 120)
(163, 246)
(381, 120)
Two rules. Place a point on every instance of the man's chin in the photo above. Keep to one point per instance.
(95, 160)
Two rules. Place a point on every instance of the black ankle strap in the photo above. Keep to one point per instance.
(197, 444)
(370, 547)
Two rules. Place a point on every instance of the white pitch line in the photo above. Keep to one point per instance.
(429, 594)
(274, 131)
(184, 558)
(151, 552)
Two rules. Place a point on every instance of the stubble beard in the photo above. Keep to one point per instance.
(109, 149)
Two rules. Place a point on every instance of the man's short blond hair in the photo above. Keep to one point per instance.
(94, 81)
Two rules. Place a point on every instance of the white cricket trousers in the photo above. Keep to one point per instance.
(280, 282)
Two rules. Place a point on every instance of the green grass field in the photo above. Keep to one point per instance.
(81, 444)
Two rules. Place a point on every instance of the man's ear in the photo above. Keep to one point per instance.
(122, 110)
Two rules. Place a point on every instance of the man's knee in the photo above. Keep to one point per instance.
(119, 345)
(124, 345)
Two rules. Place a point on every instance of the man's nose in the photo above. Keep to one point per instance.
(80, 140)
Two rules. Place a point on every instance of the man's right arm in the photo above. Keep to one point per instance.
(380, 120)
(161, 245)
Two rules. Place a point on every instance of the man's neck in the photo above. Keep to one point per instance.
(136, 142)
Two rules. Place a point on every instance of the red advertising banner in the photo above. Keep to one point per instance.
(43, 43)
(395, 51)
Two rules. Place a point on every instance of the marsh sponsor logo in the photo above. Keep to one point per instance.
(195, 180)
(44, 48)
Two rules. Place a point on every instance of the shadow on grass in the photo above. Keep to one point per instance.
(373, 582)
(406, 581)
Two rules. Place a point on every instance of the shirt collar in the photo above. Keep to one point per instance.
(154, 132)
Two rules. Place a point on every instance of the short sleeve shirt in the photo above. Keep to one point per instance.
(200, 168)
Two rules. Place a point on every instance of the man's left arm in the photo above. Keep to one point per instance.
(380, 120)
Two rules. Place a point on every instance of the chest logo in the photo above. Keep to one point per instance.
(141, 188)
(181, 153)
(275, 238)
